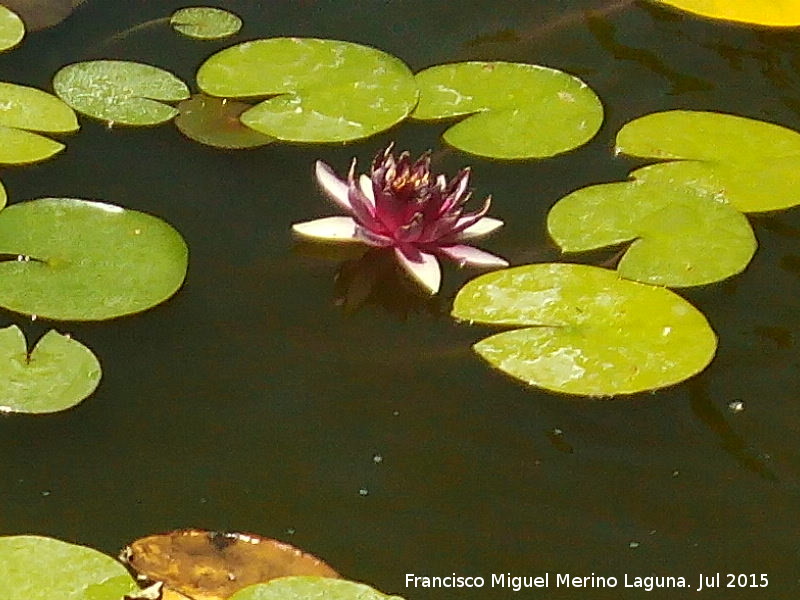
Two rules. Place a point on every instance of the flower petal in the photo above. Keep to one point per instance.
(366, 187)
(331, 229)
(468, 220)
(467, 255)
(362, 207)
(373, 239)
(456, 191)
(484, 226)
(423, 267)
(335, 188)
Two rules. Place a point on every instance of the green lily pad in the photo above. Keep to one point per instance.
(586, 331)
(24, 110)
(12, 29)
(205, 23)
(303, 587)
(40, 568)
(513, 110)
(681, 234)
(119, 91)
(751, 164)
(86, 260)
(215, 122)
(324, 90)
(57, 375)
(770, 13)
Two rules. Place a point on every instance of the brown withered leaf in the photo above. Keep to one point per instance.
(195, 564)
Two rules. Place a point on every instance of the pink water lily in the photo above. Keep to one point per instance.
(402, 206)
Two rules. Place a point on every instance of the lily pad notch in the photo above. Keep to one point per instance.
(583, 330)
(683, 214)
(117, 91)
(317, 90)
(56, 375)
(509, 110)
(88, 260)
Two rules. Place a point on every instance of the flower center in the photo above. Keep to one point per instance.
(406, 182)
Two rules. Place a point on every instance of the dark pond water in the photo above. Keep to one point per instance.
(369, 434)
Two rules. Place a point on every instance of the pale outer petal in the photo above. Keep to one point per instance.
(425, 272)
(330, 229)
(365, 183)
(483, 227)
(333, 186)
(467, 255)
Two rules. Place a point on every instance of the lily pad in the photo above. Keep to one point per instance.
(86, 260)
(304, 587)
(57, 375)
(753, 165)
(681, 234)
(24, 110)
(774, 13)
(12, 29)
(513, 110)
(586, 331)
(205, 23)
(40, 568)
(119, 91)
(324, 90)
(212, 565)
(215, 122)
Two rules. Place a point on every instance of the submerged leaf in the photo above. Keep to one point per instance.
(57, 375)
(774, 13)
(304, 587)
(215, 122)
(85, 260)
(681, 235)
(40, 568)
(324, 90)
(513, 110)
(753, 165)
(12, 29)
(212, 565)
(119, 91)
(205, 23)
(586, 331)
(24, 110)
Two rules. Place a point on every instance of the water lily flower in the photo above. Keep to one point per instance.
(402, 206)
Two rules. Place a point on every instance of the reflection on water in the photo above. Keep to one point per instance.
(680, 83)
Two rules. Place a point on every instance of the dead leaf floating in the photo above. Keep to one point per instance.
(213, 565)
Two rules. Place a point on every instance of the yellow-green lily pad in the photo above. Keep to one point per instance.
(12, 29)
(215, 122)
(753, 165)
(205, 23)
(303, 587)
(82, 260)
(58, 374)
(25, 110)
(681, 234)
(772, 13)
(512, 110)
(120, 91)
(323, 90)
(585, 330)
(41, 568)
